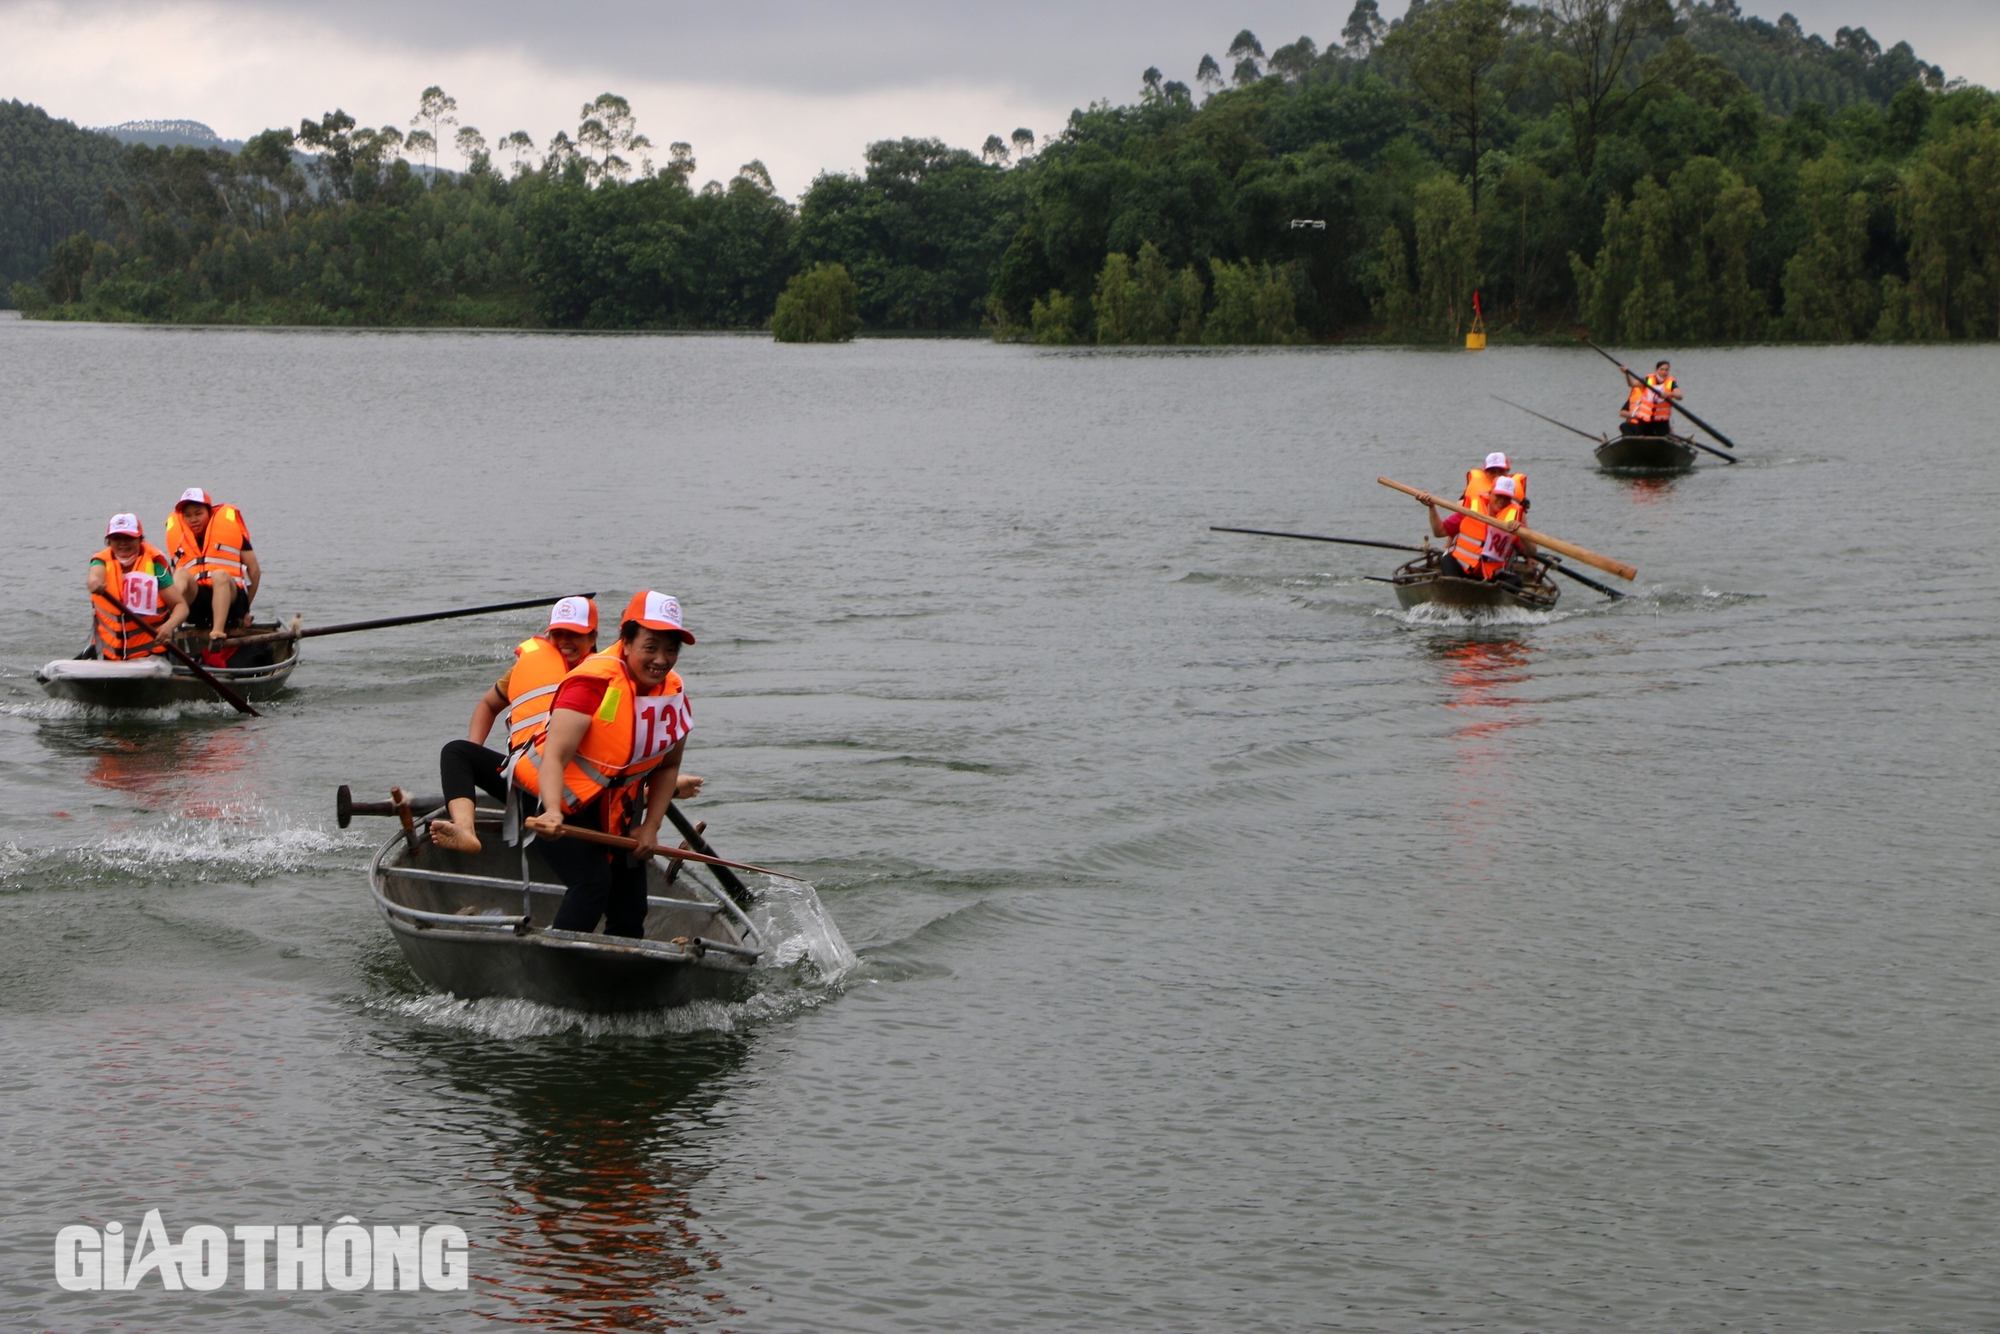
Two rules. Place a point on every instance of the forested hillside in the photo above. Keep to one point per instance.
(52, 182)
(1652, 173)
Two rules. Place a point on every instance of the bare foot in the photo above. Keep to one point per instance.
(453, 838)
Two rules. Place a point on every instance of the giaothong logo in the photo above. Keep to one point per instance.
(346, 1257)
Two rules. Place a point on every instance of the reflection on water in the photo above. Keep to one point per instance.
(1482, 675)
(200, 773)
(1651, 490)
(590, 1141)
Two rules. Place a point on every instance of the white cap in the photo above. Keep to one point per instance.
(194, 495)
(1503, 486)
(655, 611)
(574, 614)
(1496, 460)
(126, 524)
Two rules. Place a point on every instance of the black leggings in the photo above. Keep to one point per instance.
(1649, 428)
(603, 884)
(466, 765)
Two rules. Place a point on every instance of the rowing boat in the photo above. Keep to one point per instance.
(1422, 581)
(479, 925)
(256, 672)
(1646, 453)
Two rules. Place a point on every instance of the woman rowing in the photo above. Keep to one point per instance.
(132, 591)
(609, 758)
(523, 696)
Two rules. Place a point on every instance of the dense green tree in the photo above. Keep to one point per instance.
(1464, 59)
(922, 229)
(53, 177)
(817, 306)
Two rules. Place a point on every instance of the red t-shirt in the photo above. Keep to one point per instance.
(581, 694)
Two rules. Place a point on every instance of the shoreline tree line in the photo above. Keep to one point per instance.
(1654, 172)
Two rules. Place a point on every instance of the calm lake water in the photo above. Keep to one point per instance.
(1235, 951)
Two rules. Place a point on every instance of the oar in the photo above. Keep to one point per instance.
(654, 850)
(1555, 563)
(692, 832)
(1314, 537)
(236, 701)
(1726, 458)
(1600, 438)
(1668, 401)
(385, 622)
(1570, 549)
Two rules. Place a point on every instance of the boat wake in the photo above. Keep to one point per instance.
(808, 962)
(181, 848)
(70, 711)
(1431, 613)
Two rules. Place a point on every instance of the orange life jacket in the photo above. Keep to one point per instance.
(630, 735)
(219, 550)
(1482, 548)
(127, 635)
(1498, 548)
(1649, 401)
(538, 672)
(1479, 482)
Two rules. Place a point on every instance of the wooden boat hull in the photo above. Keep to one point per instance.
(1646, 453)
(479, 932)
(155, 683)
(1420, 583)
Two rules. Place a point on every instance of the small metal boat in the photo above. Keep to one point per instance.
(1524, 584)
(1646, 453)
(479, 925)
(256, 672)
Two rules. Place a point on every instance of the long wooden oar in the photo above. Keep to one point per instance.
(655, 850)
(1314, 537)
(1662, 397)
(1555, 563)
(385, 622)
(1726, 458)
(1570, 549)
(1599, 438)
(236, 701)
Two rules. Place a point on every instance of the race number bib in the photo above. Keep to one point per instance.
(658, 722)
(142, 594)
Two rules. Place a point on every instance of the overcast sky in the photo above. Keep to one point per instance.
(802, 86)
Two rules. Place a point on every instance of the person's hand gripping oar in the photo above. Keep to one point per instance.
(552, 827)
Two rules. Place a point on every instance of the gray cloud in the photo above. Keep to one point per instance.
(1046, 49)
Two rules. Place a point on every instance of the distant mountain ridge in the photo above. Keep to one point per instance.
(170, 134)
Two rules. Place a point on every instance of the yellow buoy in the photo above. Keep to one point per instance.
(1476, 340)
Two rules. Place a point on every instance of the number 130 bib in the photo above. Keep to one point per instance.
(658, 723)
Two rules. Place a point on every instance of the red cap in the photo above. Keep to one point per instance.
(125, 525)
(194, 495)
(655, 611)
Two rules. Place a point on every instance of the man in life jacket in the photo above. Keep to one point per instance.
(609, 758)
(1648, 407)
(1480, 548)
(524, 694)
(209, 547)
(132, 594)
